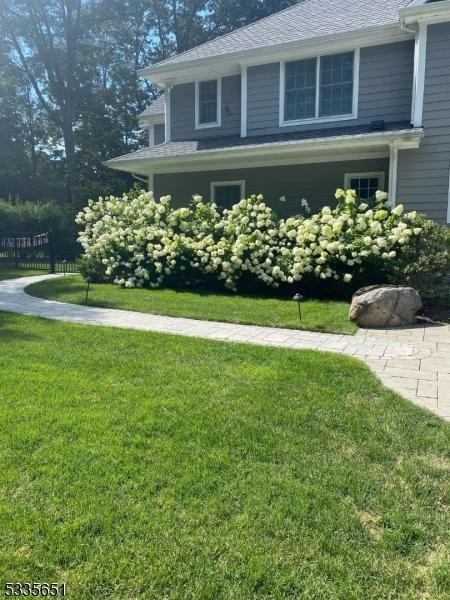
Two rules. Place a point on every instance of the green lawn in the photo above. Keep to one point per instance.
(318, 315)
(140, 466)
(11, 273)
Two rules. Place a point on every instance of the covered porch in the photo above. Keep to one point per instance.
(285, 168)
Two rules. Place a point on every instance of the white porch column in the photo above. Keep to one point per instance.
(151, 182)
(393, 170)
(167, 118)
(420, 57)
(243, 101)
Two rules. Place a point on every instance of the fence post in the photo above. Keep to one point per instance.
(51, 249)
(16, 255)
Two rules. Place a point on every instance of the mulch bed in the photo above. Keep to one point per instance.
(436, 310)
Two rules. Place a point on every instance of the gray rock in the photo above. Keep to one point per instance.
(385, 306)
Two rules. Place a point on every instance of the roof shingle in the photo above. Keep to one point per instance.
(194, 147)
(157, 107)
(306, 20)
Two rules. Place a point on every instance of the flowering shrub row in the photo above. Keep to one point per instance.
(136, 241)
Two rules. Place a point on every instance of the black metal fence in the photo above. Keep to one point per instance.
(50, 251)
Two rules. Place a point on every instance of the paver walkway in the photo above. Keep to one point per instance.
(414, 362)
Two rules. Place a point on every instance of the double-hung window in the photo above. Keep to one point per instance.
(207, 103)
(322, 88)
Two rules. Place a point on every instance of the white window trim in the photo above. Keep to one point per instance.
(151, 136)
(218, 122)
(380, 174)
(317, 118)
(216, 184)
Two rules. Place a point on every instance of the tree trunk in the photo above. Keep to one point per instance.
(69, 148)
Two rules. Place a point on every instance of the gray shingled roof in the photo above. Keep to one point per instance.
(195, 147)
(306, 20)
(157, 107)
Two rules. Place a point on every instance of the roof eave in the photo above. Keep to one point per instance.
(165, 73)
(405, 139)
(434, 12)
(149, 120)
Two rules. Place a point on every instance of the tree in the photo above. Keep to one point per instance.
(227, 15)
(70, 92)
(44, 37)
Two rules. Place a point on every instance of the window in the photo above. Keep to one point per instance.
(300, 97)
(336, 84)
(319, 89)
(207, 103)
(227, 193)
(365, 184)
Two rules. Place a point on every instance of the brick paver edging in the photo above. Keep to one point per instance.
(414, 362)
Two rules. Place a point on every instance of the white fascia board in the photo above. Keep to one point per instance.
(354, 145)
(434, 12)
(146, 167)
(147, 122)
(230, 63)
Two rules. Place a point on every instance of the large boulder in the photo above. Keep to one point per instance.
(385, 306)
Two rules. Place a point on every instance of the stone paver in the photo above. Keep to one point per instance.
(413, 361)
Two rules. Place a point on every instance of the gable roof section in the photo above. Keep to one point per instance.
(306, 20)
(157, 107)
(153, 114)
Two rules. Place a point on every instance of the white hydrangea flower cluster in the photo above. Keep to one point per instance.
(139, 241)
(132, 238)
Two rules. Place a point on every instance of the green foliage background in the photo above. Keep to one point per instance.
(69, 89)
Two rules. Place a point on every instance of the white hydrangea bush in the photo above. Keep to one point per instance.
(138, 241)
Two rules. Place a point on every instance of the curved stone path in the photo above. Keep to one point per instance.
(414, 362)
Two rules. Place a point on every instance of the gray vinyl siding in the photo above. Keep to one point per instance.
(160, 134)
(315, 182)
(423, 174)
(385, 90)
(183, 111)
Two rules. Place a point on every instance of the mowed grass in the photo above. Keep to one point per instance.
(139, 465)
(317, 315)
(11, 273)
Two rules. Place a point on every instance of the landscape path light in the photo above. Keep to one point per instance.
(299, 298)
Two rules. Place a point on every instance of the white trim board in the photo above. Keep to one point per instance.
(244, 89)
(318, 119)
(420, 58)
(448, 205)
(151, 136)
(167, 116)
(218, 121)
(393, 173)
(216, 184)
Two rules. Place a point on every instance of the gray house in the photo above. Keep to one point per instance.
(324, 94)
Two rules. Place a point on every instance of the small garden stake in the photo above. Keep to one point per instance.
(299, 298)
